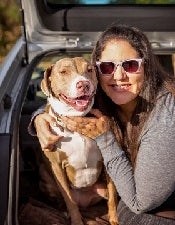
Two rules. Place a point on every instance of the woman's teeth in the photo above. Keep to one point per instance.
(121, 86)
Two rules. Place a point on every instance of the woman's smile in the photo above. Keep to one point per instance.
(121, 87)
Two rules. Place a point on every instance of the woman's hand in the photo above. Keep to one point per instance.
(89, 126)
(46, 137)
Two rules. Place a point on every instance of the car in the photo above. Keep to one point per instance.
(52, 31)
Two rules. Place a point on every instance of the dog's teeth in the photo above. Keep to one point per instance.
(79, 102)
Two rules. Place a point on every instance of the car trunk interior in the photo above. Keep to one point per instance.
(33, 204)
(68, 32)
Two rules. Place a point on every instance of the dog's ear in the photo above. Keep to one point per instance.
(45, 83)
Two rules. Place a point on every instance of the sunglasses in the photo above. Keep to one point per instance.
(129, 66)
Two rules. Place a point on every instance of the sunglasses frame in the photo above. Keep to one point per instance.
(139, 61)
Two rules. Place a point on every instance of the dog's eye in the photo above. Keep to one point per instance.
(90, 70)
(62, 72)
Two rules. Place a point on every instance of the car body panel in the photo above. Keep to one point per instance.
(4, 174)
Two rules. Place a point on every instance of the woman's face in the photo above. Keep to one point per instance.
(120, 86)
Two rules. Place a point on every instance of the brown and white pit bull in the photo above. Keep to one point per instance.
(70, 85)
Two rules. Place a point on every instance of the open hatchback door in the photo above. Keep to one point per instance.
(53, 30)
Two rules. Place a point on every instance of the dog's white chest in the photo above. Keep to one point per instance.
(83, 155)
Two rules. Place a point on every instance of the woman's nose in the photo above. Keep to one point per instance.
(119, 73)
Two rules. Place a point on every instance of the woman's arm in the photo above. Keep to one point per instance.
(40, 126)
(152, 182)
(31, 127)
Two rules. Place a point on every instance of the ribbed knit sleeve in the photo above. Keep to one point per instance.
(152, 181)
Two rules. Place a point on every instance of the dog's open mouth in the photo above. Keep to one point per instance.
(80, 103)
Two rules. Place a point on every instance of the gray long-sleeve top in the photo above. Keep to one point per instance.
(153, 179)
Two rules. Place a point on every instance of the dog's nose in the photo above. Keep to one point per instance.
(83, 86)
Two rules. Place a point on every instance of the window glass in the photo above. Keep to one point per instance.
(104, 2)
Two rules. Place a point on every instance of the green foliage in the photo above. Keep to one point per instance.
(9, 25)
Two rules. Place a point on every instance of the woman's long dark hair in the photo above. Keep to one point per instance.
(155, 79)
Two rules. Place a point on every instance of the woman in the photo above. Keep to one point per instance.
(140, 97)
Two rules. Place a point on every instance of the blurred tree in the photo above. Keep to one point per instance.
(9, 25)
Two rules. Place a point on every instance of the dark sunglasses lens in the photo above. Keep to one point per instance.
(130, 66)
(107, 67)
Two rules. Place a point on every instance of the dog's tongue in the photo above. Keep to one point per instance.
(81, 105)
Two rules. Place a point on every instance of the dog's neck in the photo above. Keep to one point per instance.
(63, 109)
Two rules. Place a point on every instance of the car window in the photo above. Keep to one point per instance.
(110, 2)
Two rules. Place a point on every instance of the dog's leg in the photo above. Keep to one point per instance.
(62, 183)
(112, 201)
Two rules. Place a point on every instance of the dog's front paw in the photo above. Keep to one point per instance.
(114, 223)
(75, 215)
(88, 126)
(76, 221)
(113, 220)
(100, 126)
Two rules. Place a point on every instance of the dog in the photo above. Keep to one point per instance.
(70, 86)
